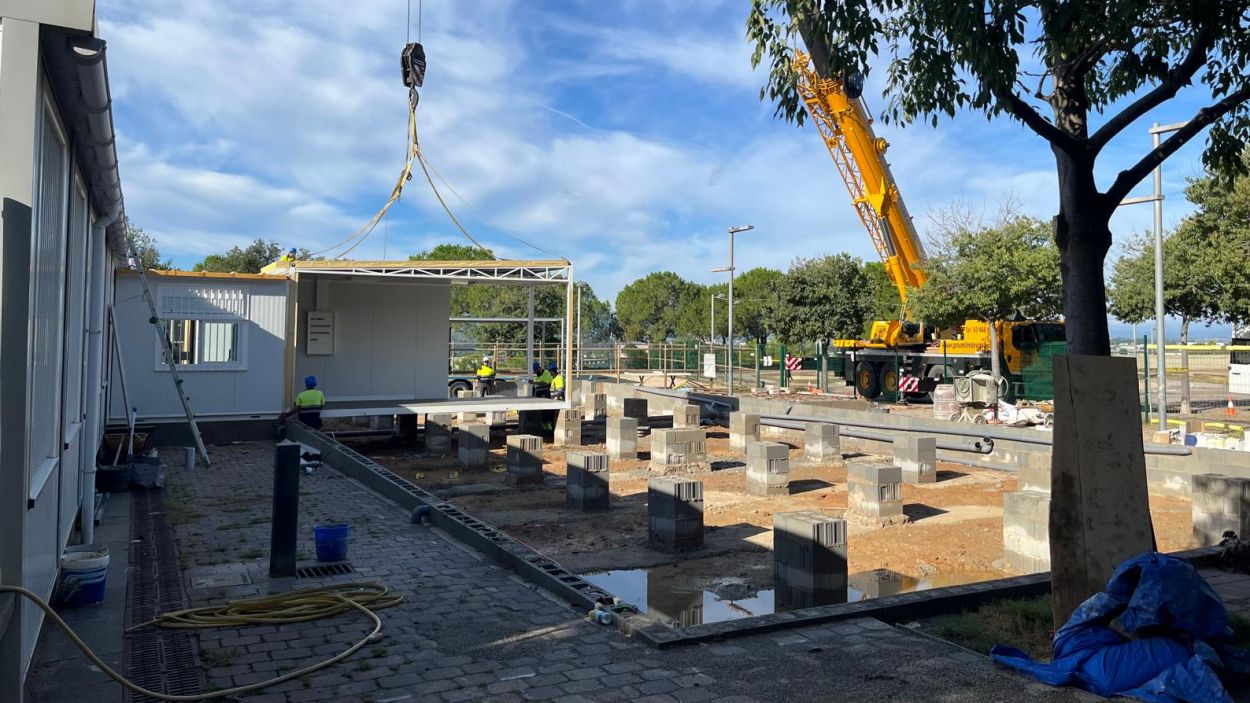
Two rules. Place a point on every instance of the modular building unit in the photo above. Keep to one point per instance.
(228, 332)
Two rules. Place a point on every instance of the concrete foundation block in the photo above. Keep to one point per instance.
(466, 418)
(635, 408)
(1220, 504)
(674, 513)
(622, 438)
(587, 488)
(525, 460)
(498, 422)
(768, 468)
(744, 428)
(568, 431)
(678, 451)
(875, 492)
(822, 443)
(474, 449)
(525, 388)
(1035, 474)
(809, 559)
(438, 433)
(917, 457)
(530, 422)
(1026, 531)
(597, 405)
(687, 416)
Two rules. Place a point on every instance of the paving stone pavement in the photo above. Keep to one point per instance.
(470, 630)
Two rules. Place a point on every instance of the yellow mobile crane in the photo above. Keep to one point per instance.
(901, 348)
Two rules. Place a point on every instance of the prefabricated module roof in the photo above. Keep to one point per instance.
(497, 272)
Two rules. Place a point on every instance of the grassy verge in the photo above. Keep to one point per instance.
(1023, 623)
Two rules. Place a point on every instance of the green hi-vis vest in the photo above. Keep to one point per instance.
(310, 399)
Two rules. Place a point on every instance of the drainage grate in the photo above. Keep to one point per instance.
(322, 570)
(157, 659)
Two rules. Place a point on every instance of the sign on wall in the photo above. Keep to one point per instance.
(320, 334)
(709, 365)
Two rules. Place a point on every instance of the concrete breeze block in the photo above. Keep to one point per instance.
(674, 513)
(438, 433)
(474, 450)
(809, 559)
(875, 492)
(1220, 503)
(917, 457)
(686, 416)
(744, 428)
(1035, 474)
(1026, 531)
(568, 431)
(525, 459)
(768, 468)
(822, 443)
(587, 488)
(622, 438)
(678, 450)
(635, 408)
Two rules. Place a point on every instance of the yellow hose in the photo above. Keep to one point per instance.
(296, 606)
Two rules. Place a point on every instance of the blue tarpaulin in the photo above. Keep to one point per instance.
(1158, 632)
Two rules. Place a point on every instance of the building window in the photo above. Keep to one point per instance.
(205, 345)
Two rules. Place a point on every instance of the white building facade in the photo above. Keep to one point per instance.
(61, 201)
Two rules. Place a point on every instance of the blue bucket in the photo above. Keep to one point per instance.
(331, 542)
(83, 570)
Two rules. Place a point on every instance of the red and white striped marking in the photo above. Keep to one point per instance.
(909, 384)
(793, 362)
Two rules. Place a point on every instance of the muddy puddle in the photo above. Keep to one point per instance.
(671, 595)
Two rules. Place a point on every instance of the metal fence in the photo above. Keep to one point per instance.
(1200, 378)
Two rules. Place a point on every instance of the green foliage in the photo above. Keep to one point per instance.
(1220, 230)
(453, 252)
(991, 273)
(651, 308)
(1024, 623)
(145, 249)
(755, 295)
(883, 295)
(821, 298)
(946, 55)
(252, 259)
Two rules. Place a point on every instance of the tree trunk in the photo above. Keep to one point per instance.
(1186, 407)
(1083, 234)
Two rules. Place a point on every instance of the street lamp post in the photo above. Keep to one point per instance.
(712, 339)
(729, 339)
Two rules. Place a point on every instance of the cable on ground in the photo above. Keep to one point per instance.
(287, 608)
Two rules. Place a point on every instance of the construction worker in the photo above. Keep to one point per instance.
(486, 376)
(557, 386)
(542, 381)
(289, 256)
(549, 376)
(308, 404)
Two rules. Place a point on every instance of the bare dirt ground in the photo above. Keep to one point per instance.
(954, 534)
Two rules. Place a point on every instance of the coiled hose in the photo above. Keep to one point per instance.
(292, 607)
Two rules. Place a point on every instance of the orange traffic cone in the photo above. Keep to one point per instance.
(1230, 411)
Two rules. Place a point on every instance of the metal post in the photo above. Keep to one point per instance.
(729, 338)
(712, 324)
(824, 365)
(1145, 357)
(1160, 334)
(759, 356)
(285, 529)
(529, 333)
(580, 354)
(781, 368)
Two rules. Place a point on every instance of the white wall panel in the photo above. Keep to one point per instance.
(390, 339)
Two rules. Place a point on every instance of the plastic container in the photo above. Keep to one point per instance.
(113, 479)
(331, 542)
(146, 472)
(83, 570)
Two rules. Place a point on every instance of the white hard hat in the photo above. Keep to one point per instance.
(486, 357)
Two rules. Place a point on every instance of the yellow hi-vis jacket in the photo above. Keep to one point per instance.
(557, 383)
(486, 371)
(310, 399)
(544, 378)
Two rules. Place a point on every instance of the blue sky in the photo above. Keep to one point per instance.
(625, 136)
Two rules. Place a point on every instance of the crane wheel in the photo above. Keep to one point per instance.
(889, 380)
(866, 383)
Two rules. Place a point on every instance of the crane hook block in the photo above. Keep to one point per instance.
(412, 61)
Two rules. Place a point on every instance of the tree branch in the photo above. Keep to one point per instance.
(1130, 177)
(1177, 78)
(1024, 112)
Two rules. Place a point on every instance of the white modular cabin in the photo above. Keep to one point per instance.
(228, 332)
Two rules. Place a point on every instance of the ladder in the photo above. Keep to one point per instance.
(170, 360)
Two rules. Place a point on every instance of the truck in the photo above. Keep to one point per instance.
(905, 356)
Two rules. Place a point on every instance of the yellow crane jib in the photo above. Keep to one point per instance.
(859, 156)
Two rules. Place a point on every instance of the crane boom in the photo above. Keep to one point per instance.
(860, 158)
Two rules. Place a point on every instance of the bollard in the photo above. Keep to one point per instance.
(189, 458)
(285, 521)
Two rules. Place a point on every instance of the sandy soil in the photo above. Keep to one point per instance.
(954, 534)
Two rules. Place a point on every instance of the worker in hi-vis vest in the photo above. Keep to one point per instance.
(542, 381)
(486, 376)
(308, 404)
(557, 386)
